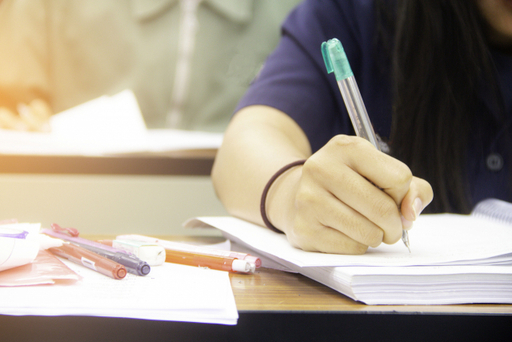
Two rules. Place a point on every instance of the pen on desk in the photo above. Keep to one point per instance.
(171, 245)
(79, 240)
(132, 263)
(336, 61)
(82, 256)
(212, 262)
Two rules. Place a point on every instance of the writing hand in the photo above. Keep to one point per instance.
(351, 196)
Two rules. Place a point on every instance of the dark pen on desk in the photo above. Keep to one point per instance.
(336, 61)
(82, 256)
(132, 263)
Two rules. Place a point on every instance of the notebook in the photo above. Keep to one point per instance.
(455, 259)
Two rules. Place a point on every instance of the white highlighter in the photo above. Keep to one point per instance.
(151, 253)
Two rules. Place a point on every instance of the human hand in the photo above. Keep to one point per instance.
(32, 117)
(351, 196)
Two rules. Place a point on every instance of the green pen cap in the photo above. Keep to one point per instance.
(335, 59)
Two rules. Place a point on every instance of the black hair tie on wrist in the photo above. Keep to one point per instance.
(267, 188)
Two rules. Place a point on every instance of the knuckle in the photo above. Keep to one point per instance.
(367, 235)
(385, 208)
(403, 174)
(372, 237)
(312, 166)
(346, 141)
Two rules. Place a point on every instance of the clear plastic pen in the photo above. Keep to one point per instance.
(336, 61)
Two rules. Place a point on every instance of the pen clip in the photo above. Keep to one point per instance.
(335, 59)
(327, 57)
(70, 231)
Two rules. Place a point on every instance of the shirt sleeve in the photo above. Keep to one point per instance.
(294, 79)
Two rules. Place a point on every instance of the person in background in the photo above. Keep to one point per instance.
(436, 77)
(187, 61)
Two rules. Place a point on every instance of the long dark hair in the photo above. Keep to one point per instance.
(440, 60)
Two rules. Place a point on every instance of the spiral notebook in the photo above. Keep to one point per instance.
(455, 259)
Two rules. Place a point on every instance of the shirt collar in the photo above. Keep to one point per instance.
(234, 10)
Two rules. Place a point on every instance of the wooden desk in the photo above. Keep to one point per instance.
(275, 291)
(278, 306)
(189, 162)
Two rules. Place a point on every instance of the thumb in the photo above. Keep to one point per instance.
(420, 195)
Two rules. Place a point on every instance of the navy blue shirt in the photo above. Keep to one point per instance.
(294, 80)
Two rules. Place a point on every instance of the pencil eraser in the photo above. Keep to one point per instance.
(151, 253)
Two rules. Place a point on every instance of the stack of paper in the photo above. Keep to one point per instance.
(104, 126)
(170, 293)
(454, 259)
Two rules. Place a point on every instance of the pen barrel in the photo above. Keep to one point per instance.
(82, 242)
(190, 259)
(357, 110)
(132, 264)
(90, 260)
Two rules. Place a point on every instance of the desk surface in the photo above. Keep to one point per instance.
(279, 306)
(275, 291)
(186, 162)
(269, 290)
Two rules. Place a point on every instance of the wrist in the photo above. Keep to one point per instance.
(278, 198)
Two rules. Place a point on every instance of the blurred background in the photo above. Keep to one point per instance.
(187, 62)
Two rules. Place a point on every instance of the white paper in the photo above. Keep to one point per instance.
(117, 115)
(17, 252)
(435, 240)
(104, 126)
(170, 293)
(423, 285)
(455, 259)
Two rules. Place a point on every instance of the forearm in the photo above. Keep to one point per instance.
(258, 142)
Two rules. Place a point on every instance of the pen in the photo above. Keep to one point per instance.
(213, 262)
(82, 256)
(81, 241)
(171, 245)
(133, 264)
(336, 61)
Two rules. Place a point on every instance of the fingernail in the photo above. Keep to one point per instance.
(406, 224)
(417, 207)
